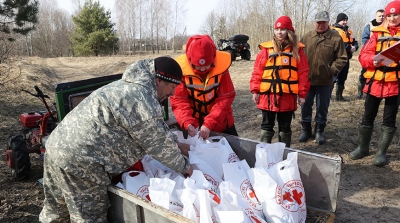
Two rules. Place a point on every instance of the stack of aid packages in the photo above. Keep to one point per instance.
(224, 188)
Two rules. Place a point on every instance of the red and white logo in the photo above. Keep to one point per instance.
(278, 24)
(212, 181)
(233, 158)
(143, 192)
(291, 195)
(248, 194)
(285, 60)
(392, 10)
(252, 216)
(202, 61)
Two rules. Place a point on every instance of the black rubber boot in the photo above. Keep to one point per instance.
(319, 137)
(385, 138)
(285, 137)
(305, 132)
(364, 138)
(339, 93)
(266, 136)
(360, 87)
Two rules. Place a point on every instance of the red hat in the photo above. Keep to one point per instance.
(284, 22)
(200, 50)
(392, 8)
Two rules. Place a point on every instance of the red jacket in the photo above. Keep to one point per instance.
(380, 89)
(286, 102)
(220, 116)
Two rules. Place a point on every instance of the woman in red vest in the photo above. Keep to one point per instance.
(204, 98)
(382, 83)
(280, 80)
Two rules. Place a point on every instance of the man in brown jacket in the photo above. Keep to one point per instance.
(326, 57)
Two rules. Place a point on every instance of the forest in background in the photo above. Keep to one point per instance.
(158, 26)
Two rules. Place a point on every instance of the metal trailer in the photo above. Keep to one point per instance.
(320, 174)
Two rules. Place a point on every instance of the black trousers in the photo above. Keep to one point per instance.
(284, 121)
(371, 107)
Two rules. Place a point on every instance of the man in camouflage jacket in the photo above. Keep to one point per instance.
(110, 130)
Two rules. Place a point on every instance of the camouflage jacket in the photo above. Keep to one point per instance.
(114, 127)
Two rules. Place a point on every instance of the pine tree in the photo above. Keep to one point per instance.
(94, 33)
(18, 16)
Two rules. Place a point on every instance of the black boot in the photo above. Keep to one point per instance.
(266, 136)
(339, 93)
(360, 87)
(364, 138)
(285, 137)
(319, 137)
(385, 139)
(305, 131)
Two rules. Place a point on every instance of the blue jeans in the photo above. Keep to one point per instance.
(322, 95)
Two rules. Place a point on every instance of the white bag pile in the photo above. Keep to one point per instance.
(223, 188)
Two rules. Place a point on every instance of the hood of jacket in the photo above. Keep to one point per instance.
(142, 73)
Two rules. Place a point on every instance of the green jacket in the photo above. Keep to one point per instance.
(326, 56)
(114, 127)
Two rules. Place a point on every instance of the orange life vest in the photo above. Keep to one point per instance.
(388, 73)
(347, 36)
(202, 93)
(280, 72)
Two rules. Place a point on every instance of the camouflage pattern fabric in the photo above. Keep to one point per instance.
(71, 198)
(111, 129)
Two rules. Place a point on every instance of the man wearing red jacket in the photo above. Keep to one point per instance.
(204, 97)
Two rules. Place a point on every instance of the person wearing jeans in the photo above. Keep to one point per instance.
(326, 57)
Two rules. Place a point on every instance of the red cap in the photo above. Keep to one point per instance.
(392, 8)
(200, 50)
(284, 22)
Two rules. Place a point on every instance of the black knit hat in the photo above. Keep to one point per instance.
(168, 69)
(341, 17)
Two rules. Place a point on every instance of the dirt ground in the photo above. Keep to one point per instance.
(366, 193)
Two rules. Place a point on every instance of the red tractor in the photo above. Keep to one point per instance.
(36, 126)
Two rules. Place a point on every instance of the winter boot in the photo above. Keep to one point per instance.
(360, 86)
(385, 139)
(285, 137)
(305, 131)
(364, 138)
(339, 93)
(319, 137)
(266, 136)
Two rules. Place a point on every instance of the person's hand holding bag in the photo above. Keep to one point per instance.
(204, 132)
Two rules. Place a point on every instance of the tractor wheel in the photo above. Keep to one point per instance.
(20, 153)
(246, 55)
(233, 55)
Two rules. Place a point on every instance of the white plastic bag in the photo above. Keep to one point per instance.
(269, 154)
(136, 182)
(236, 173)
(280, 191)
(206, 169)
(160, 192)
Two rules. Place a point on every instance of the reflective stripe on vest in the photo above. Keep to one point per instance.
(202, 93)
(386, 73)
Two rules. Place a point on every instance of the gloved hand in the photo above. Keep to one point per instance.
(301, 101)
(353, 49)
(191, 130)
(204, 132)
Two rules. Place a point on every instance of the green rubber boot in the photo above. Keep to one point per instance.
(285, 137)
(385, 138)
(266, 136)
(364, 138)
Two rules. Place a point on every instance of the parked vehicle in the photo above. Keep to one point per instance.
(237, 46)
